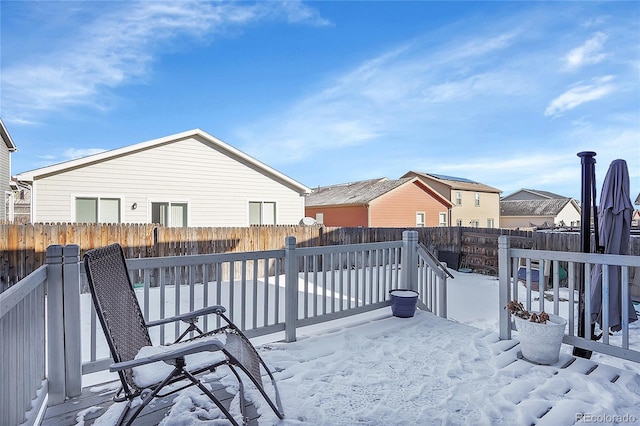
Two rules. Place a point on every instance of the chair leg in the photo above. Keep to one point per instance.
(212, 397)
(124, 413)
(277, 410)
(243, 402)
(149, 397)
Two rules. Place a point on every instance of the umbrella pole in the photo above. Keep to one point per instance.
(588, 189)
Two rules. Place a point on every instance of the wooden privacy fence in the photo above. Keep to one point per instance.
(23, 246)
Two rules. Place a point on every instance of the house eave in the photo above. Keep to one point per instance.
(6, 137)
(32, 175)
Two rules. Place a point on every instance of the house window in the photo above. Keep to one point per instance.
(262, 213)
(459, 222)
(320, 218)
(420, 218)
(490, 223)
(97, 210)
(474, 223)
(442, 219)
(169, 214)
(458, 198)
(477, 199)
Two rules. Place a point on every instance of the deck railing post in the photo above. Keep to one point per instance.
(504, 294)
(409, 266)
(290, 289)
(72, 321)
(55, 326)
(442, 295)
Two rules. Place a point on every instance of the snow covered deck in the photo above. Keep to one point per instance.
(421, 370)
(91, 407)
(454, 362)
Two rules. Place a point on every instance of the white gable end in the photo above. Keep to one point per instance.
(215, 185)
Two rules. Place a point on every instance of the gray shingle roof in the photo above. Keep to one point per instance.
(549, 207)
(547, 194)
(353, 193)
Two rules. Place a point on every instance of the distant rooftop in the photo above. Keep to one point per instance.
(455, 183)
(546, 207)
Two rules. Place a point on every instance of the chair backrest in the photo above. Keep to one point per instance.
(116, 303)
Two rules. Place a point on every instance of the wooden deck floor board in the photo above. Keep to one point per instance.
(90, 405)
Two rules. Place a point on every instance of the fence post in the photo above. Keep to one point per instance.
(72, 331)
(290, 289)
(504, 264)
(55, 326)
(409, 266)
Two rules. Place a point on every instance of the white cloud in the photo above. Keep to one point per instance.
(119, 46)
(578, 95)
(386, 94)
(588, 54)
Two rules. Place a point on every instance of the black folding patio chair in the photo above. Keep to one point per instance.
(127, 332)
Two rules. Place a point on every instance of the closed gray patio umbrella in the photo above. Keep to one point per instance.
(614, 213)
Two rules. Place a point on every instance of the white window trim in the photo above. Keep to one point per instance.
(9, 206)
(120, 197)
(424, 219)
(446, 221)
(262, 201)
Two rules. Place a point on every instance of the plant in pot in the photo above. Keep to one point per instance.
(540, 333)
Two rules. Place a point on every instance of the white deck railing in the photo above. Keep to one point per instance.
(22, 348)
(578, 266)
(265, 292)
(32, 371)
(273, 291)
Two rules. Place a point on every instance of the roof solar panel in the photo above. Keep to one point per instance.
(453, 178)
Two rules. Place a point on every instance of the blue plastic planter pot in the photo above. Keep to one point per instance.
(403, 303)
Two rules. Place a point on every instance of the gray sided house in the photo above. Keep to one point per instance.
(6, 213)
(187, 179)
(532, 209)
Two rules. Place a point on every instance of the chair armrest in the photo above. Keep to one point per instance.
(210, 345)
(214, 309)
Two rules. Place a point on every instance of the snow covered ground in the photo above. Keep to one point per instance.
(377, 369)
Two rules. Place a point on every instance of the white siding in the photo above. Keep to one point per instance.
(569, 215)
(5, 176)
(216, 187)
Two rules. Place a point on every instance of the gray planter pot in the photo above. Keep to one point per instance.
(541, 343)
(403, 302)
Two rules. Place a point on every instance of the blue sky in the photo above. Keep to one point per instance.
(503, 93)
